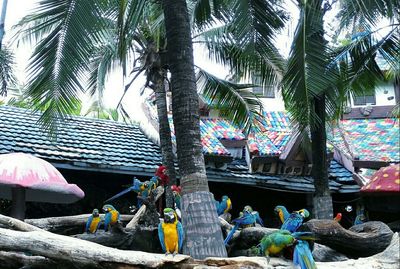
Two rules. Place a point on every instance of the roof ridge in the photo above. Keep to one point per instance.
(68, 117)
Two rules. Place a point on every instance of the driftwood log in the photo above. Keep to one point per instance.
(32, 247)
(359, 241)
(68, 225)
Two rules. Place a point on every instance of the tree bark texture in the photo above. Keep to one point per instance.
(165, 138)
(198, 210)
(359, 241)
(201, 237)
(323, 208)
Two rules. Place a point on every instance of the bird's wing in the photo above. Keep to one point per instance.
(292, 223)
(179, 227)
(119, 194)
(107, 220)
(258, 219)
(302, 256)
(89, 221)
(161, 236)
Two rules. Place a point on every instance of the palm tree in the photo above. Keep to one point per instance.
(6, 56)
(73, 36)
(317, 79)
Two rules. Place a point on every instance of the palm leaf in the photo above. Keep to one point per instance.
(307, 78)
(235, 102)
(7, 77)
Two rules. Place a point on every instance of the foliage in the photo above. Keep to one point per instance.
(7, 77)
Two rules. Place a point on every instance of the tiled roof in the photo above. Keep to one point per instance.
(340, 179)
(273, 134)
(369, 139)
(108, 146)
(81, 142)
(212, 131)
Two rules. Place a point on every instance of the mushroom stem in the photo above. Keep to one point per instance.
(18, 203)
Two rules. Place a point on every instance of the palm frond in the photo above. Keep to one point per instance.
(367, 12)
(234, 101)
(60, 60)
(307, 78)
(7, 74)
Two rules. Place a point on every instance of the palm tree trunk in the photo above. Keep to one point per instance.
(323, 208)
(203, 235)
(2, 20)
(165, 138)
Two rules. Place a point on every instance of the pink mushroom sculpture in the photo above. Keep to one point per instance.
(24, 177)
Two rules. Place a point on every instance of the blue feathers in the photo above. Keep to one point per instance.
(302, 255)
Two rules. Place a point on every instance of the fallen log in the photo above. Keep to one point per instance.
(359, 241)
(11, 260)
(68, 225)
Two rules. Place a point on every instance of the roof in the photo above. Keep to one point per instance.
(341, 180)
(369, 139)
(82, 143)
(108, 146)
(273, 135)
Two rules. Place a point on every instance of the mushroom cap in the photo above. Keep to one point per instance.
(41, 180)
(385, 180)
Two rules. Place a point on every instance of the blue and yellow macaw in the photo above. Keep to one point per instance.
(143, 189)
(295, 220)
(247, 219)
(256, 215)
(111, 217)
(224, 206)
(282, 213)
(274, 243)
(93, 222)
(302, 255)
(170, 233)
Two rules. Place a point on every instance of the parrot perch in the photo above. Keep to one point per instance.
(170, 233)
(93, 222)
(111, 217)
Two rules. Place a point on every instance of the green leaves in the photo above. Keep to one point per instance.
(7, 76)
(307, 78)
(235, 102)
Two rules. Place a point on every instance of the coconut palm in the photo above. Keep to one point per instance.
(315, 84)
(74, 36)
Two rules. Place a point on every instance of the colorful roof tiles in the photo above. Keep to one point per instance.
(273, 134)
(369, 139)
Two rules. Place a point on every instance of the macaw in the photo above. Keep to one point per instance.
(302, 255)
(360, 219)
(176, 192)
(338, 217)
(282, 213)
(256, 215)
(275, 242)
(224, 206)
(111, 217)
(137, 186)
(246, 219)
(93, 222)
(295, 220)
(170, 233)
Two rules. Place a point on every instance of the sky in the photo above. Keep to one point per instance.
(114, 88)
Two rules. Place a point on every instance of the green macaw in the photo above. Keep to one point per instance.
(274, 243)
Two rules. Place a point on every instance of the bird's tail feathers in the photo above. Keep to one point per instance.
(230, 234)
(304, 235)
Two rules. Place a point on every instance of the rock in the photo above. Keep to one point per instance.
(323, 253)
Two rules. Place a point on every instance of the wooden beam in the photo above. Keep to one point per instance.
(371, 164)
